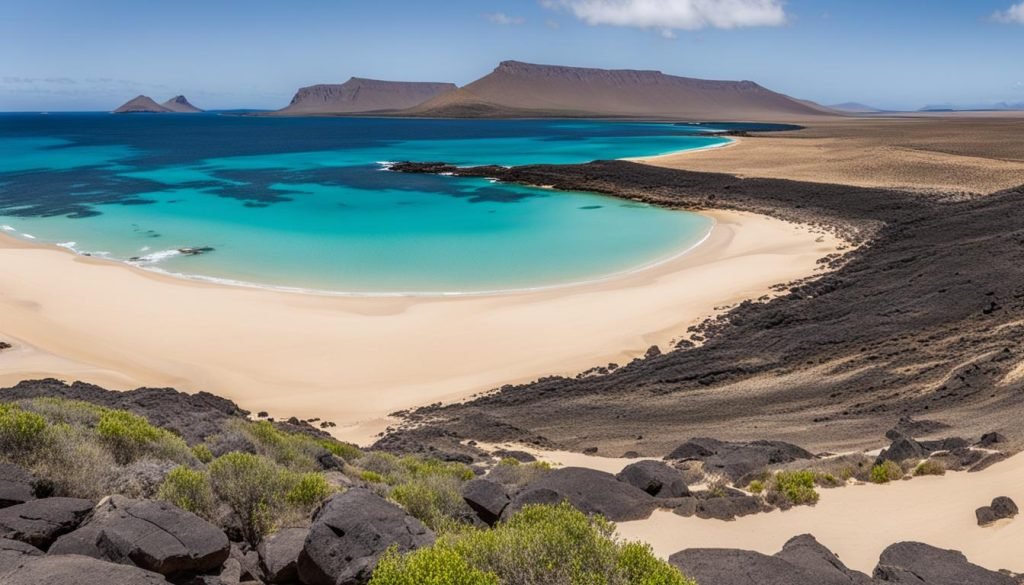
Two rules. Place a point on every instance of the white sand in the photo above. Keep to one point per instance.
(859, 521)
(354, 360)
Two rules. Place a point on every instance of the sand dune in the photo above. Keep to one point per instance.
(516, 88)
(353, 360)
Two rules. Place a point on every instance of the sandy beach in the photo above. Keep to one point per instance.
(353, 360)
(858, 522)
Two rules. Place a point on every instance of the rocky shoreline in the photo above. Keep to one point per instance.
(921, 319)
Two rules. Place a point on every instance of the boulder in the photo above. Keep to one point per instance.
(735, 460)
(40, 522)
(349, 535)
(487, 498)
(249, 560)
(729, 508)
(590, 491)
(915, 563)
(279, 555)
(989, 460)
(15, 485)
(809, 556)
(155, 536)
(13, 553)
(902, 449)
(656, 478)
(520, 456)
(802, 561)
(947, 444)
(78, 570)
(723, 566)
(993, 438)
(1000, 508)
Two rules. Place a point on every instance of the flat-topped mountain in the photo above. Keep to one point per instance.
(525, 89)
(358, 95)
(180, 104)
(145, 104)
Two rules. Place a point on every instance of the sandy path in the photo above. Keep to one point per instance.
(353, 360)
(858, 522)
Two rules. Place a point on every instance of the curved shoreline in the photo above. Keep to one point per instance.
(354, 360)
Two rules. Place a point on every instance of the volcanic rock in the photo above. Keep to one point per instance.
(915, 563)
(590, 491)
(656, 478)
(40, 522)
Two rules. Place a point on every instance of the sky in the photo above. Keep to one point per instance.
(223, 54)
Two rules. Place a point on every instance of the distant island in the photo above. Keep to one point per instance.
(144, 104)
(358, 95)
(521, 90)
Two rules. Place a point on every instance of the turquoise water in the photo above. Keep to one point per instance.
(305, 203)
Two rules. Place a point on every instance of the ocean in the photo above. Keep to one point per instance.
(308, 203)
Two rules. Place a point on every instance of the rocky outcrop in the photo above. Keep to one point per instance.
(349, 535)
(155, 536)
(915, 563)
(1001, 508)
(76, 570)
(40, 522)
(279, 555)
(656, 478)
(487, 498)
(358, 95)
(802, 561)
(193, 416)
(13, 553)
(15, 485)
(591, 491)
(735, 460)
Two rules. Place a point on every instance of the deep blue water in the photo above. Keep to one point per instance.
(304, 202)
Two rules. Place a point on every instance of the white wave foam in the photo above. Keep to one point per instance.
(29, 236)
(7, 228)
(68, 245)
(156, 257)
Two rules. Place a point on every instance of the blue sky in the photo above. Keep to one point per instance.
(77, 55)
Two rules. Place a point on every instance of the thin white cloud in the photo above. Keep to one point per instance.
(1012, 15)
(504, 19)
(669, 15)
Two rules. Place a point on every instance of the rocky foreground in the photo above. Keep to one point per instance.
(142, 518)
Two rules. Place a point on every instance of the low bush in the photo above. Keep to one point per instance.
(308, 490)
(188, 489)
(436, 500)
(253, 487)
(541, 545)
(202, 453)
(886, 471)
(794, 487)
(930, 467)
(20, 431)
(74, 463)
(130, 436)
(756, 486)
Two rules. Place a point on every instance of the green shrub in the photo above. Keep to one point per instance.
(346, 451)
(74, 462)
(434, 500)
(130, 436)
(828, 480)
(443, 565)
(253, 487)
(756, 486)
(309, 490)
(797, 487)
(509, 461)
(515, 475)
(295, 451)
(189, 490)
(62, 410)
(541, 545)
(886, 471)
(371, 476)
(20, 431)
(202, 453)
(930, 467)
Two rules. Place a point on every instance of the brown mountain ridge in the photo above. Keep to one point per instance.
(359, 95)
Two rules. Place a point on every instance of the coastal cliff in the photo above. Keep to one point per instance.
(358, 95)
